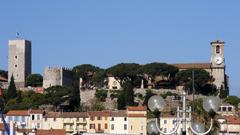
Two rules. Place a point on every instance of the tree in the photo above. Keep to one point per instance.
(4, 73)
(124, 72)
(201, 78)
(86, 72)
(233, 100)
(96, 105)
(126, 97)
(12, 90)
(148, 95)
(98, 78)
(101, 95)
(34, 80)
(56, 95)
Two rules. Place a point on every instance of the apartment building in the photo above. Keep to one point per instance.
(229, 125)
(118, 122)
(137, 120)
(99, 122)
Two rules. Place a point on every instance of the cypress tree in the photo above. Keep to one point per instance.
(12, 90)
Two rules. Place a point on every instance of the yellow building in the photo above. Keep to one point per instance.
(98, 122)
(137, 120)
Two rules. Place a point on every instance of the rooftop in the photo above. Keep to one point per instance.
(192, 65)
(137, 108)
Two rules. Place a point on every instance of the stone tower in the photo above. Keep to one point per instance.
(218, 63)
(19, 60)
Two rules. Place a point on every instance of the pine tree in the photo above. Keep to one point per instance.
(12, 90)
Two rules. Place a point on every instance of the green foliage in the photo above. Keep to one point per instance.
(12, 90)
(184, 78)
(170, 94)
(101, 95)
(86, 72)
(96, 105)
(223, 93)
(121, 101)
(233, 100)
(34, 80)
(4, 73)
(57, 95)
(98, 78)
(159, 69)
(124, 71)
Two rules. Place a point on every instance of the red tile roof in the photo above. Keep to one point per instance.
(3, 79)
(119, 113)
(51, 132)
(36, 111)
(18, 113)
(192, 65)
(99, 113)
(137, 108)
(232, 120)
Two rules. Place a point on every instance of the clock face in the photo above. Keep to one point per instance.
(218, 60)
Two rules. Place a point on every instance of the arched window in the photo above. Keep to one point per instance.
(217, 49)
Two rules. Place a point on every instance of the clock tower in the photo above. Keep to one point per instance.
(218, 63)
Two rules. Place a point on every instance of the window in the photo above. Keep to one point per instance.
(33, 117)
(16, 118)
(16, 57)
(54, 119)
(125, 126)
(173, 122)
(99, 118)
(165, 130)
(165, 121)
(229, 109)
(23, 119)
(38, 125)
(106, 126)
(15, 65)
(38, 117)
(77, 119)
(224, 109)
(131, 127)
(125, 119)
(217, 49)
(92, 126)
(84, 119)
(112, 127)
(92, 118)
(45, 119)
(99, 126)
(112, 119)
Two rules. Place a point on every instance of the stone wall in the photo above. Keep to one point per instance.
(57, 76)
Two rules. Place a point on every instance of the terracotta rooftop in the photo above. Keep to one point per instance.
(119, 113)
(233, 120)
(18, 113)
(192, 65)
(3, 79)
(74, 114)
(53, 115)
(137, 108)
(99, 113)
(51, 132)
(36, 111)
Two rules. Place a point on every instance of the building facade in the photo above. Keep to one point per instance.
(57, 76)
(19, 60)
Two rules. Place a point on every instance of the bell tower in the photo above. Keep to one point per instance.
(218, 63)
(217, 59)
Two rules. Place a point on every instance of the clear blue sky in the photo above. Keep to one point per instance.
(107, 32)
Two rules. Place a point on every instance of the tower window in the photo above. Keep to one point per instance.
(217, 49)
(16, 57)
(16, 65)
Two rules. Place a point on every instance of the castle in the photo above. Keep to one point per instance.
(19, 61)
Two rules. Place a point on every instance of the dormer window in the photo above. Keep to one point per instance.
(217, 49)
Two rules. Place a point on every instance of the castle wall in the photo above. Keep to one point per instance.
(57, 76)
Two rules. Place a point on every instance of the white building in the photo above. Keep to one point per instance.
(118, 122)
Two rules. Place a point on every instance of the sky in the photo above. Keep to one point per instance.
(108, 32)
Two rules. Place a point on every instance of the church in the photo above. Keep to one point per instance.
(216, 67)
